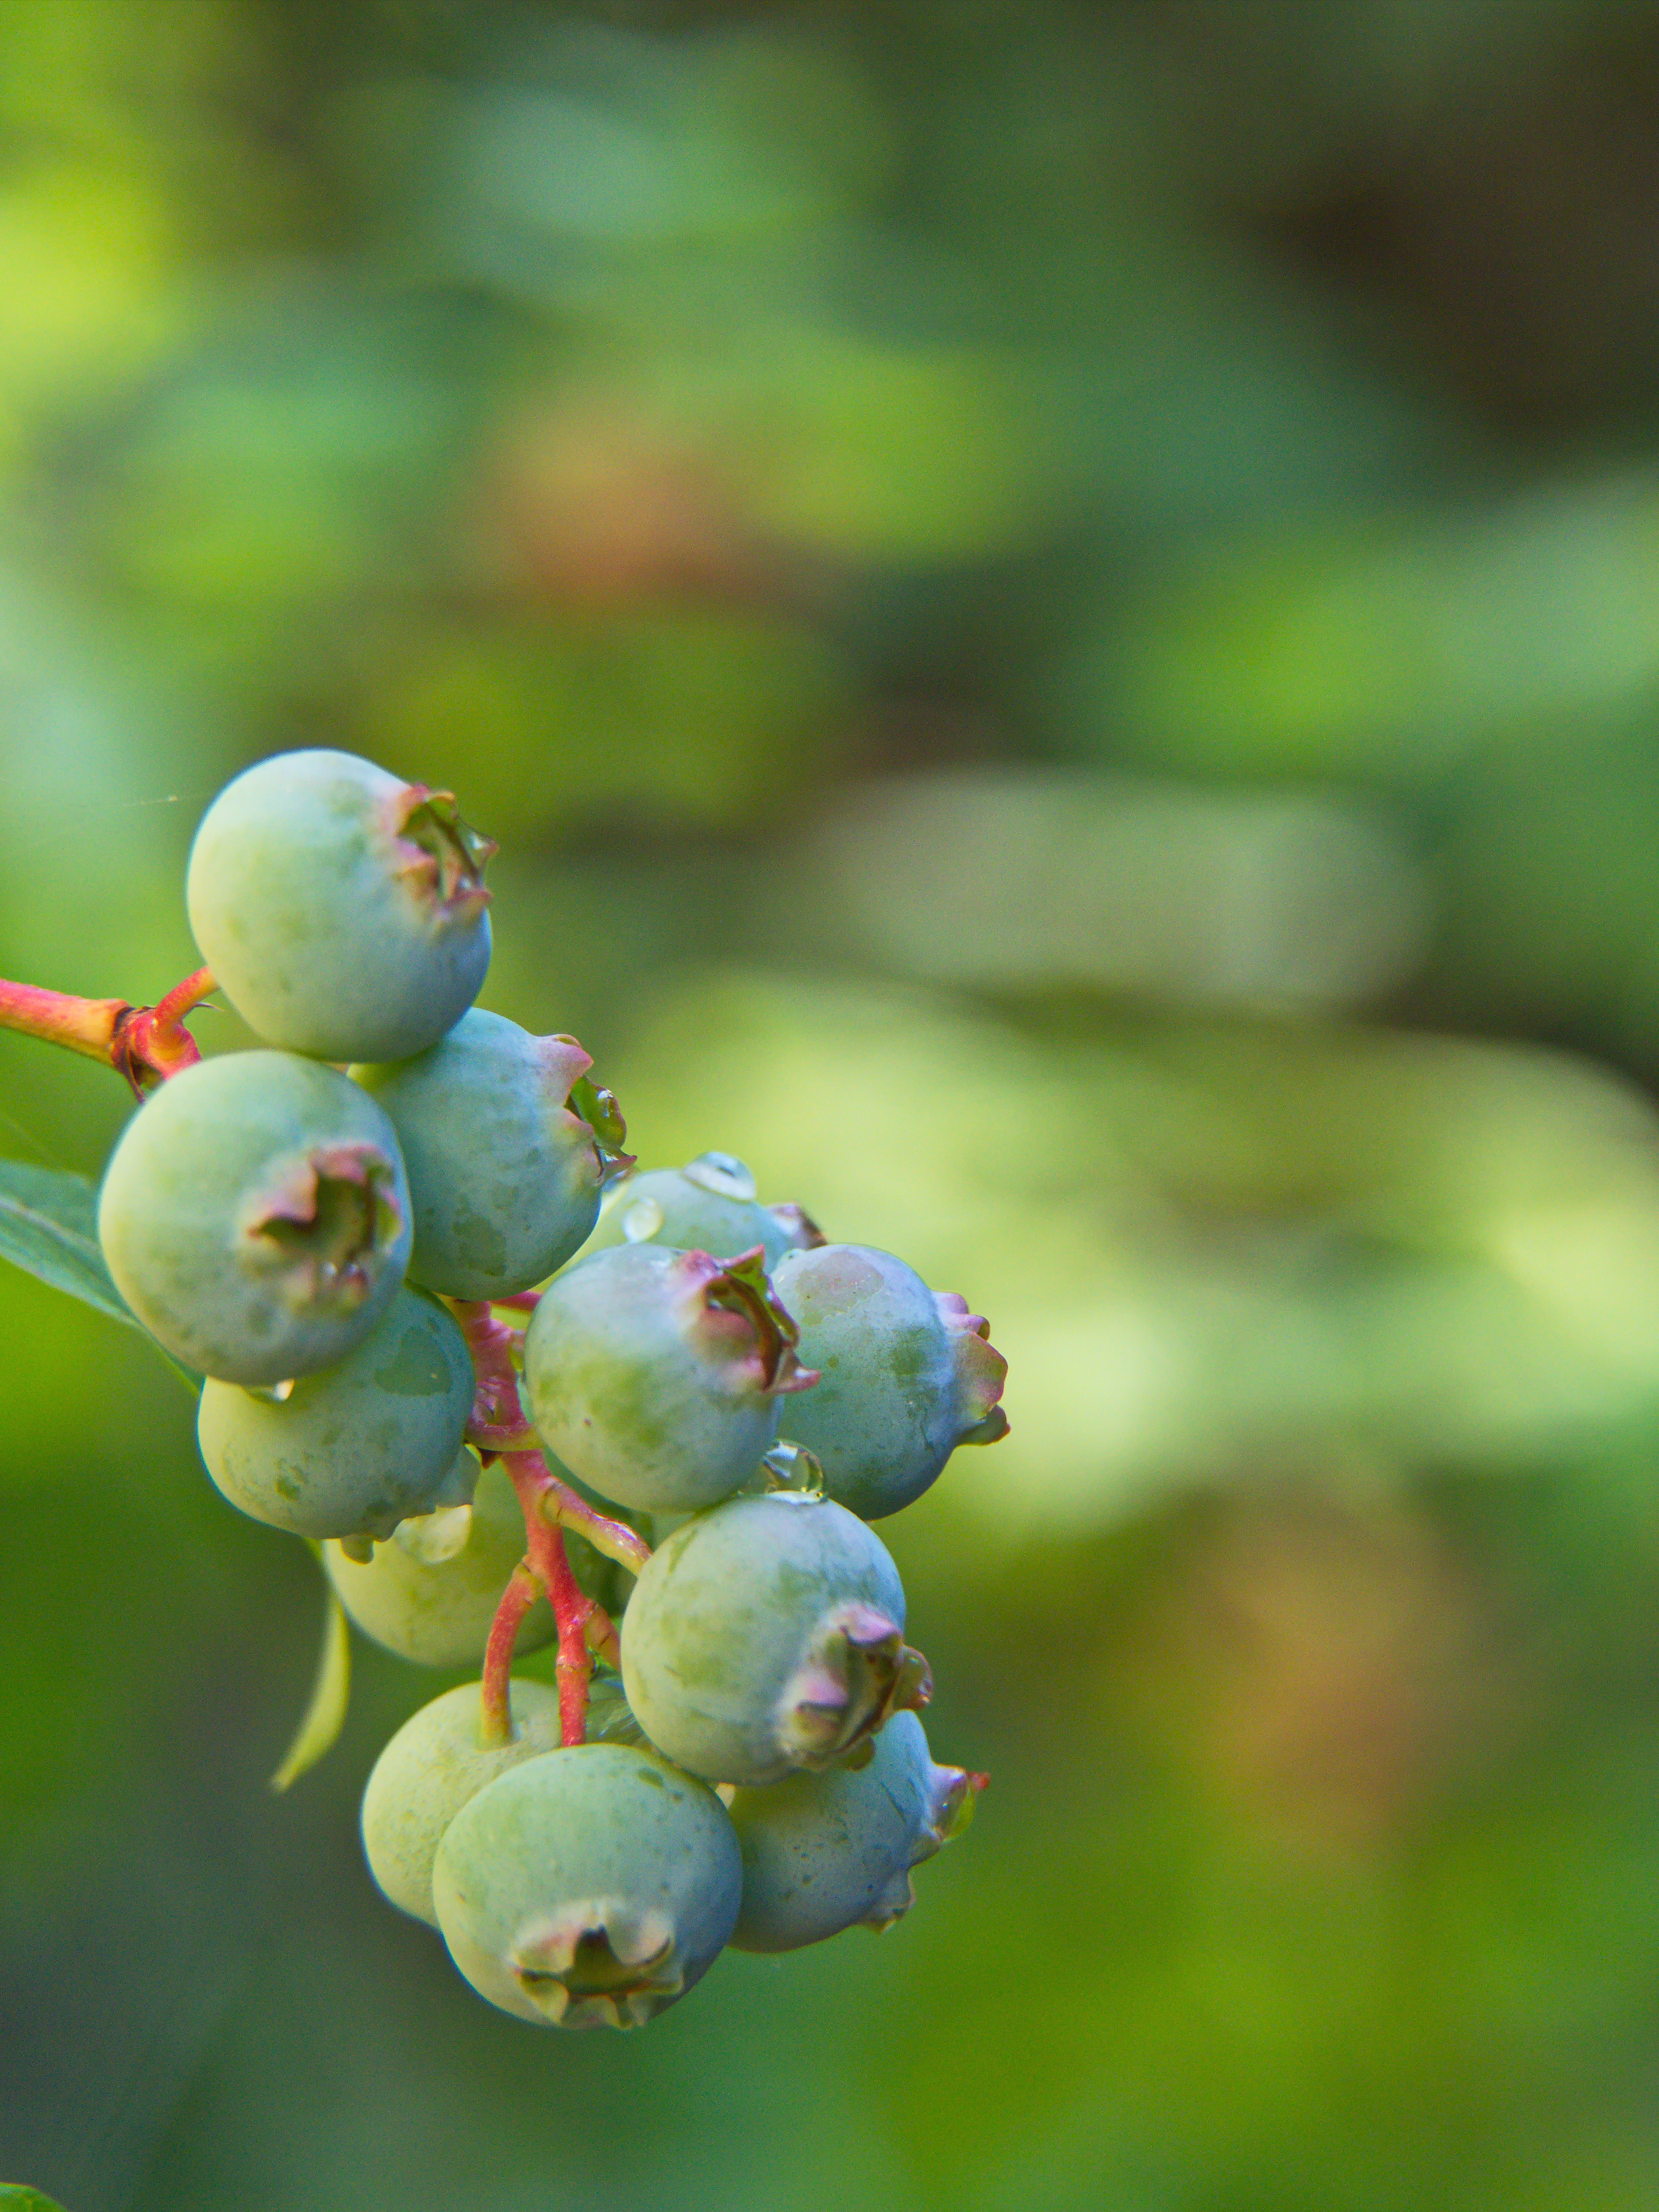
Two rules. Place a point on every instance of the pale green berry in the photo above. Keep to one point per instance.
(342, 912)
(768, 1635)
(588, 1888)
(833, 1850)
(905, 1375)
(504, 1171)
(430, 1593)
(708, 1205)
(435, 1763)
(655, 1375)
(255, 1218)
(358, 1447)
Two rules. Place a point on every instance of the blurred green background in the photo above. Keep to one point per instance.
(1057, 612)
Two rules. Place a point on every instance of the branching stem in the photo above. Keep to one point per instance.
(572, 1610)
(145, 1044)
(498, 1426)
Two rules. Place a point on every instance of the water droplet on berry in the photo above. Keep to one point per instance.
(721, 1173)
(642, 1221)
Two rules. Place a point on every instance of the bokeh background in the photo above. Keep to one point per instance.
(1057, 610)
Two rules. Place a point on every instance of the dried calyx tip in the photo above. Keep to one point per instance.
(598, 1963)
(859, 1671)
(443, 856)
(741, 1286)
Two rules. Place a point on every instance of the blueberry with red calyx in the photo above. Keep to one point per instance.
(833, 1850)
(342, 912)
(504, 1171)
(655, 1375)
(255, 1218)
(907, 1374)
(769, 1635)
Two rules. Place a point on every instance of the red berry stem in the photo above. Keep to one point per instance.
(521, 1592)
(572, 1610)
(145, 1044)
(498, 1425)
(499, 1428)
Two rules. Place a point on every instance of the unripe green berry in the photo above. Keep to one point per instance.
(655, 1375)
(358, 1447)
(825, 1851)
(435, 1763)
(587, 1888)
(768, 1635)
(342, 912)
(907, 1374)
(504, 1173)
(431, 1592)
(255, 1216)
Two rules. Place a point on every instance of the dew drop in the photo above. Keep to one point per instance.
(719, 1172)
(642, 1221)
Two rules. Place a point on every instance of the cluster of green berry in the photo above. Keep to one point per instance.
(344, 1233)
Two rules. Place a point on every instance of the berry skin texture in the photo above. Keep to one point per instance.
(907, 1374)
(766, 1635)
(358, 1447)
(587, 1888)
(255, 1218)
(430, 1593)
(505, 1178)
(821, 1852)
(707, 1206)
(435, 1763)
(655, 1375)
(343, 913)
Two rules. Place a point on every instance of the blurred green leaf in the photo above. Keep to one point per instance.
(325, 1714)
(18, 2196)
(47, 1228)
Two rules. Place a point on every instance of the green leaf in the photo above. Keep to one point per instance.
(47, 1228)
(18, 2196)
(325, 1716)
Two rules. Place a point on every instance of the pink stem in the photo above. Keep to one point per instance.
(146, 1044)
(571, 1610)
(521, 1592)
(498, 1423)
(499, 1426)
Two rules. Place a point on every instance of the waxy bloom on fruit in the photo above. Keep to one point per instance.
(342, 912)
(825, 1851)
(908, 1375)
(255, 1218)
(435, 1763)
(358, 1447)
(768, 1635)
(587, 1888)
(655, 1375)
(504, 1171)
